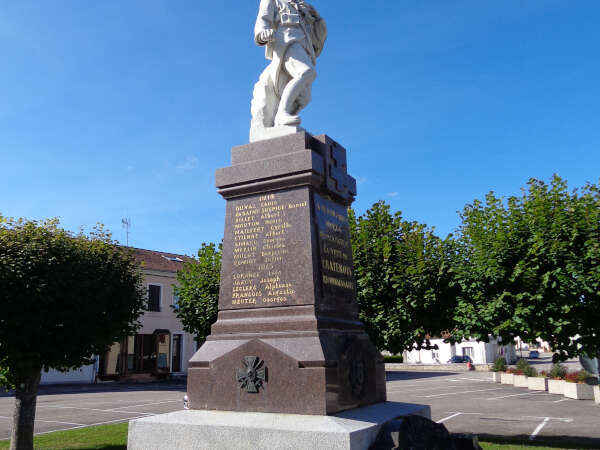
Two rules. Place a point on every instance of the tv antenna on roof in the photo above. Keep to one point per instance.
(126, 224)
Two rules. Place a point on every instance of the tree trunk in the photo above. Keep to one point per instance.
(24, 415)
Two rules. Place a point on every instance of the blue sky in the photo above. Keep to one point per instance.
(119, 109)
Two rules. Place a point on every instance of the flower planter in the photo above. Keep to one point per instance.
(556, 386)
(597, 394)
(537, 383)
(496, 377)
(521, 381)
(507, 378)
(579, 391)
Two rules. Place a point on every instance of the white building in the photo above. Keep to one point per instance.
(160, 349)
(479, 352)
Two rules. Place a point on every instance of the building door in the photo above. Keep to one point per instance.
(177, 353)
(145, 353)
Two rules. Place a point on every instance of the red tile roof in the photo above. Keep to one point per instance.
(161, 261)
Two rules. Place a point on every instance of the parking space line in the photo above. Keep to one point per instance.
(87, 409)
(92, 425)
(449, 417)
(515, 395)
(48, 421)
(555, 401)
(475, 379)
(413, 381)
(538, 429)
(139, 406)
(409, 384)
(461, 392)
(560, 419)
(422, 389)
(148, 414)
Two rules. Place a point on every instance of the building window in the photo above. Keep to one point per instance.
(468, 351)
(154, 292)
(176, 302)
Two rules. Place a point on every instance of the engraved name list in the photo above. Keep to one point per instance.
(263, 244)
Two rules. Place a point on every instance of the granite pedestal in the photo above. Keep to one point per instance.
(288, 338)
(227, 430)
(288, 363)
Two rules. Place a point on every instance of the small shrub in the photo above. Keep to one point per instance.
(580, 376)
(522, 364)
(571, 377)
(530, 371)
(393, 359)
(543, 374)
(499, 365)
(558, 372)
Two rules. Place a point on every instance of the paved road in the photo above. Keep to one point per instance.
(464, 402)
(544, 362)
(471, 403)
(70, 407)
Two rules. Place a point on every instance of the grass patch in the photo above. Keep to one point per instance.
(106, 437)
(393, 359)
(114, 437)
(494, 446)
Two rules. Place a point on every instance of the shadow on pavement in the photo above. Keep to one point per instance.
(408, 375)
(559, 442)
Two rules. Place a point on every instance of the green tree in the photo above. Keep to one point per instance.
(530, 267)
(198, 291)
(65, 298)
(404, 279)
(4, 376)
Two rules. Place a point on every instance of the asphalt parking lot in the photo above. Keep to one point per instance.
(463, 402)
(71, 407)
(470, 403)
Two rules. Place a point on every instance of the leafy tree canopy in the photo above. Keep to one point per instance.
(529, 266)
(65, 297)
(4, 376)
(404, 279)
(198, 291)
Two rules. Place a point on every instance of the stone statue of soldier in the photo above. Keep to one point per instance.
(294, 34)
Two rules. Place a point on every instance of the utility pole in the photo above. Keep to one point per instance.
(126, 224)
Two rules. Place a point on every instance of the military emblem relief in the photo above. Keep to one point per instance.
(358, 377)
(253, 375)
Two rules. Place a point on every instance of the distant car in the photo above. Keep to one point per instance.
(534, 354)
(457, 359)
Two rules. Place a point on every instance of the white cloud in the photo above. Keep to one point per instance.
(361, 180)
(190, 163)
(392, 194)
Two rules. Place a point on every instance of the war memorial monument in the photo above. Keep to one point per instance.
(288, 364)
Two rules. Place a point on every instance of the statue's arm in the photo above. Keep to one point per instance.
(264, 28)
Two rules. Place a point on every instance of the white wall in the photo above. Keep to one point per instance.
(84, 375)
(166, 318)
(440, 356)
(482, 353)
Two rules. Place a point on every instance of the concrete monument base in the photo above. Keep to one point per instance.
(262, 133)
(356, 429)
